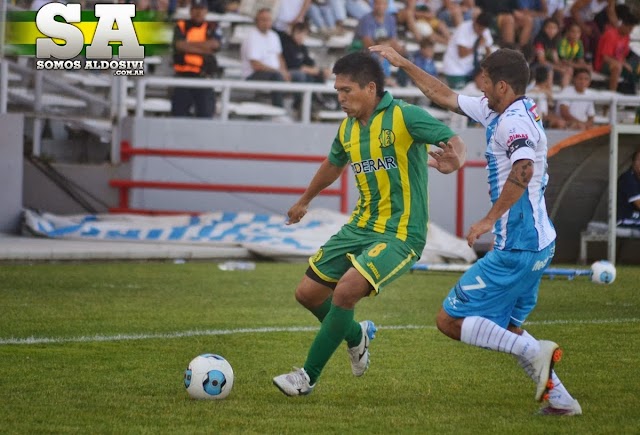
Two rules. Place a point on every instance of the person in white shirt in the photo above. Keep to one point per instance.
(579, 115)
(470, 42)
(261, 55)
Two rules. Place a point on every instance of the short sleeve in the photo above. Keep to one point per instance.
(520, 138)
(423, 127)
(338, 156)
(476, 108)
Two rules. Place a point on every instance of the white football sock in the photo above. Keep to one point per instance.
(558, 396)
(481, 332)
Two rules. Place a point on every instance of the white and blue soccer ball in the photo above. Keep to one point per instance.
(209, 376)
(603, 272)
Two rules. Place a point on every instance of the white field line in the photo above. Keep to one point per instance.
(211, 332)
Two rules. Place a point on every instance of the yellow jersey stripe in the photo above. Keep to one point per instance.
(403, 166)
(320, 274)
(397, 268)
(365, 192)
(382, 177)
(364, 273)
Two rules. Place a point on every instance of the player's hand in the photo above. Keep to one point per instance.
(296, 213)
(484, 225)
(395, 58)
(445, 160)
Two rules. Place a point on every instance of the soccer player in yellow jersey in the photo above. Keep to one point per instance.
(384, 140)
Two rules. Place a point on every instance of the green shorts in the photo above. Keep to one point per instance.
(379, 258)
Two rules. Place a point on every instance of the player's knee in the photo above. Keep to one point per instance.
(448, 325)
(307, 298)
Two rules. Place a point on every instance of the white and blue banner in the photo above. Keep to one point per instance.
(263, 234)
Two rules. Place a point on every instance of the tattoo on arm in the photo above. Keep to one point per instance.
(521, 173)
(516, 182)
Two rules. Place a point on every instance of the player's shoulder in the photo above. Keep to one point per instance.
(406, 107)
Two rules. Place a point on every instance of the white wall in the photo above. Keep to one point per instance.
(241, 136)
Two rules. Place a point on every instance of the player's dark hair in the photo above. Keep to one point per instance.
(362, 68)
(509, 66)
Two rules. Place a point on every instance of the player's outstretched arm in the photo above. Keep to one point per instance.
(430, 86)
(450, 157)
(325, 176)
(516, 184)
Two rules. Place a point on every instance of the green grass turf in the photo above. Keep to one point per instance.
(85, 381)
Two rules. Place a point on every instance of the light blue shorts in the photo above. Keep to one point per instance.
(502, 286)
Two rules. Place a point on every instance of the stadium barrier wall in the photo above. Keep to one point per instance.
(11, 151)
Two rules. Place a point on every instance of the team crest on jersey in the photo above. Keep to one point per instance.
(387, 138)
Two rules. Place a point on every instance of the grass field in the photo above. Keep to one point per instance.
(101, 348)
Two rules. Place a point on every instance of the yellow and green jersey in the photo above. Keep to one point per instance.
(388, 157)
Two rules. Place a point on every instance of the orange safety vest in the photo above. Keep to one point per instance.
(191, 62)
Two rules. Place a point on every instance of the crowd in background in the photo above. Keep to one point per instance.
(564, 43)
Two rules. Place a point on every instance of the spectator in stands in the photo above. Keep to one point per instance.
(377, 24)
(510, 21)
(629, 194)
(322, 15)
(542, 94)
(606, 18)
(420, 19)
(546, 45)
(454, 12)
(194, 43)
(556, 10)
(537, 11)
(424, 58)
(261, 55)
(356, 8)
(470, 43)
(613, 55)
(571, 49)
(290, 12)
(578, 114)
(302, 68)
(583, 12)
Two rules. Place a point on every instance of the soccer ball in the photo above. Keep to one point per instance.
(603, 272)
(208, 376)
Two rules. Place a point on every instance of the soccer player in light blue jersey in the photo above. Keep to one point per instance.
(488, 305)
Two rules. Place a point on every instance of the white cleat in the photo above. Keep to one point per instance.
(550, 353)
(573, 409)
(359, 354)
(296, 383)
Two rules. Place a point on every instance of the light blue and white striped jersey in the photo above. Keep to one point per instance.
(515, 134)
